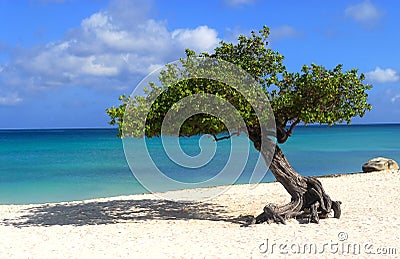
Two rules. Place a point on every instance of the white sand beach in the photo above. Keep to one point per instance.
(145, 226)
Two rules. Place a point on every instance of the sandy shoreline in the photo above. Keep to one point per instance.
(142, 226)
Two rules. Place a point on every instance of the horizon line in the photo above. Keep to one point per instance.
(114, 127)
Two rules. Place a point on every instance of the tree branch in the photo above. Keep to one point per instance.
(225, 137)
(283, 134)
(290, 131)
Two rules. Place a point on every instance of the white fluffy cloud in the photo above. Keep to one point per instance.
(380, 75)
(110, 48)
(201, 38)
(364, 12)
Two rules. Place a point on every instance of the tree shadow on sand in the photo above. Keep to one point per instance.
(119, 211)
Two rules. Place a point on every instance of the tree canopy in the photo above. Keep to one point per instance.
(315, 94)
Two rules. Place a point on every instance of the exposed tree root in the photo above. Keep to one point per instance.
(313, 204)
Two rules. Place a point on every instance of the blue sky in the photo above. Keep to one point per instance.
(62, 63)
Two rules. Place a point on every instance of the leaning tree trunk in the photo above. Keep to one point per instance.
(308, 197)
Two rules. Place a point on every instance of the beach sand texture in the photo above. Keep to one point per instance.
(145, 226)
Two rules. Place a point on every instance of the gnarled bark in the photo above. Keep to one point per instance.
(308, 197)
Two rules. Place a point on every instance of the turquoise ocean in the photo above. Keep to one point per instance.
(39, 166)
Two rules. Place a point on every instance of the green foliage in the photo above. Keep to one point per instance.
(116, 114)
(313, 95)
(253, 55)
(319, 95)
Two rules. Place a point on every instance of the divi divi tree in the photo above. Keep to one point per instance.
(315, 94)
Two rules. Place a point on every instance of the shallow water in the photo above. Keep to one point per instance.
(62, 165)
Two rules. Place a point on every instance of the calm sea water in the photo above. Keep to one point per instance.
(63, 165)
